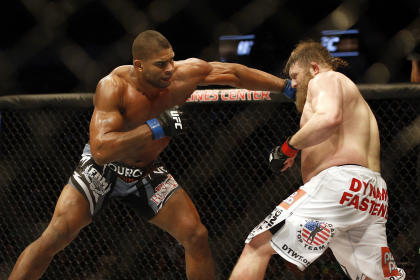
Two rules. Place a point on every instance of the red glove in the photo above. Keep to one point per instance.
(280, 154)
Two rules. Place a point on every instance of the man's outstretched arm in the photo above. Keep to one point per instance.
(241, 76)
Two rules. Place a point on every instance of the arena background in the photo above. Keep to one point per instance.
(50, 47)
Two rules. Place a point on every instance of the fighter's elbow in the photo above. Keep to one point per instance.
(99, 153)
(99, 157)
(235, 73)
(238, 69)
(333, 120)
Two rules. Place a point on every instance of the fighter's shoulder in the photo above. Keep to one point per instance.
(111, 88)
(329, 76)
(114, 81)
(193, 64)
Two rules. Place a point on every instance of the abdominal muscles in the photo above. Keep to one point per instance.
(148, 153)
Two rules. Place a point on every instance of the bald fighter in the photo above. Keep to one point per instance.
(132, 123)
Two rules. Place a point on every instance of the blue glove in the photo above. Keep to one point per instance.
(288, 91)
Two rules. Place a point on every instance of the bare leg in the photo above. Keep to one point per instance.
(180, 218)
(253, 262)
(70, 216)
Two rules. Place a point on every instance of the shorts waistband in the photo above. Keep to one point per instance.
(130, 174)
(354, 167)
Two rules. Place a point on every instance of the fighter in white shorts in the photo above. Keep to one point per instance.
(344, 208)
(343, 203)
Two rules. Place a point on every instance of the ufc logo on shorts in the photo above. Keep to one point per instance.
(177, 119)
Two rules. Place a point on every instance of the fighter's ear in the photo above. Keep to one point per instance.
(314, 68)
(137, 63)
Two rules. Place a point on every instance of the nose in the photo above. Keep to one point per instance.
(169, 68)
(294, 84)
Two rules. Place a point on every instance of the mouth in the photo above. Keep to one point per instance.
(166, 79)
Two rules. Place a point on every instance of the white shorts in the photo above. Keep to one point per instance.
(344, 208)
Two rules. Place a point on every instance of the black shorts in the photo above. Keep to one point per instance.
(145, 189)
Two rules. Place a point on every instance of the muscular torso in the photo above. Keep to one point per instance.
(124, 101)
(136, 110)
(136, 107)
(354, 141)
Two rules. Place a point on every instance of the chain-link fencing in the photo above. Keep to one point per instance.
(222, 163)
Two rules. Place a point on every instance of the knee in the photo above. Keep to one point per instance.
(194, 234)
(260, 245)
(200, 234)
(58, 235)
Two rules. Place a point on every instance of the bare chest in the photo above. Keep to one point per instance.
(138, 108)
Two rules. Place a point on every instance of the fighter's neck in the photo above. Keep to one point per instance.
(143, 86)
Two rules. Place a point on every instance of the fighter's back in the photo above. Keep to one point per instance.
(355, 138)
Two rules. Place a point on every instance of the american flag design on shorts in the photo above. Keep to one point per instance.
(316, 233)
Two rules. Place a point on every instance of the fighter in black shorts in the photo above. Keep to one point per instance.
(130, 127)
(145, 189)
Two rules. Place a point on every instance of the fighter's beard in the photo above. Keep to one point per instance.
(302, 92)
